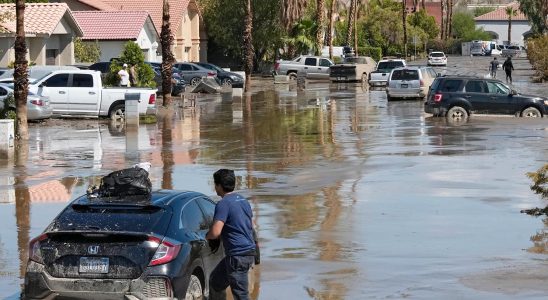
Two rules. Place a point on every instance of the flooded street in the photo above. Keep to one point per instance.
(354, 197)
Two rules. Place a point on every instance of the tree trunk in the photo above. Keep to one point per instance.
(320, 29)
(447, 20)
(450, 20)
(404, 22)
(166, 40)
(355, 21)
(330, 29)
(248, 45)
(350, 20)
(442, 22)
(509, 29)
(20, 75)
(423, 5)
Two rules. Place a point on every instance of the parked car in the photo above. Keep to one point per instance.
(178, 84)
(314, 67)
(354, 68)
(126, 249)
(512, 51)
(384, 67)
(38, 107)
(192, 73)
(458, 97)
(409, 82)
(437, 58)
(103, 67)
(225, 77)
(81, 93)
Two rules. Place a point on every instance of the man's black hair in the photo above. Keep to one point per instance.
(226, 179)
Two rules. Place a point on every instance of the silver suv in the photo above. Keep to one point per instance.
(409, 82)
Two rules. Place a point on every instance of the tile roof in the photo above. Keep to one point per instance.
(40, 18)
(153, 7)
(111, 25)
(98, 4)
(500, 14)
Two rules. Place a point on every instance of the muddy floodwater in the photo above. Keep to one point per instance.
(354, 197)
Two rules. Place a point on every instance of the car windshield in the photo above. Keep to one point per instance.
(405, 74)
(389, 65)
(437, 54)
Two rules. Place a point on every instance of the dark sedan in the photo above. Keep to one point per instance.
(178, 84)
(192, 73)
(227, 78)
(105, 248)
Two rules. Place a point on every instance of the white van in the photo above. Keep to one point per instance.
(338, 51)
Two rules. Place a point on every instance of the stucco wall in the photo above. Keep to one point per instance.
(110, 49)
(501, 28)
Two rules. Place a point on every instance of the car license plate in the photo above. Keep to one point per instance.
(93, 265)
(404, 86)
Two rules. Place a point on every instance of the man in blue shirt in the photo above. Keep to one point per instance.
(232, 222)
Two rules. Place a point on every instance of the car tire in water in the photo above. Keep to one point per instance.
(194, 81)
(194, 290)
(292, 76)
(227, 82)
(117, 113)
(531, 112)
(364, 78)
(457, 113)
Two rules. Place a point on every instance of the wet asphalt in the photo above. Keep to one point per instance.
(354, 197)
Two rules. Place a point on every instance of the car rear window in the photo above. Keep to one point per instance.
(437, 54)
(450, 85)
(389, 65)
(405, 74)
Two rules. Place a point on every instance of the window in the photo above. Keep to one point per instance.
(3, 92)
(450, 85)
(82, 80)
(59, 80)
(325, 63)
(310, 61)
(437, 54)
(184, 67)
(209, 209)
(432, 73)
(386, 66)
(475, 86)
(192, 217)
(405, 74)
(497, 88)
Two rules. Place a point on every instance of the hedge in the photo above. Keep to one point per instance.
(373, 52)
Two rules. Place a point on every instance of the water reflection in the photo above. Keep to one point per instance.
(22, 205)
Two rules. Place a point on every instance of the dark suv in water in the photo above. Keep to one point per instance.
(100, 248)
(457, 97)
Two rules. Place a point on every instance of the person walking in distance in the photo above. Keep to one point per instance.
(493, 66)
(508, 67)
(124, 76)
(232, 222)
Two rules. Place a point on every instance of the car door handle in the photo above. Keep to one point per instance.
(467, 97)
(91, 93)
(62, 92)
(306, 68)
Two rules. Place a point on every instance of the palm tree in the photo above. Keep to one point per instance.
(302, 37)
(319, 26)
(330, 28)
(20, 74)
(351, 20)
(166, 40)
(248, 45)
(292, 10)
(510, 12)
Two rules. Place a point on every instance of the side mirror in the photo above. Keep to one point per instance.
(513, 92)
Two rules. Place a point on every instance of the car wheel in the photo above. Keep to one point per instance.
(457, 113)
(364, 78)
(531, 112)
(194, 81)
(292, 76)
(118, 112)
(194, 290)
(227, 82)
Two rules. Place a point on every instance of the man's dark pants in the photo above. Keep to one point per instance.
(232, 270)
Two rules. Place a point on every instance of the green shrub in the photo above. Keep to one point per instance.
(373, 52)
(7, 111)
(537, 51)
(133, 56)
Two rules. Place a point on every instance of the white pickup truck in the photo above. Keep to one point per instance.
(76, 93)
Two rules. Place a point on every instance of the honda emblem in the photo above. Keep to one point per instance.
(94, 249)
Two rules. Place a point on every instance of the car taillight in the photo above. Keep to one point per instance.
(437, 97)
(34, 248)
(165, 252)
(421, 82)
(38, 102)
(152, 99)
(211, 74)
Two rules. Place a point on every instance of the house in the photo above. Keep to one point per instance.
(496, 23)
(190, 39)
(433, 8)
(50, 29)
(134, 26)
